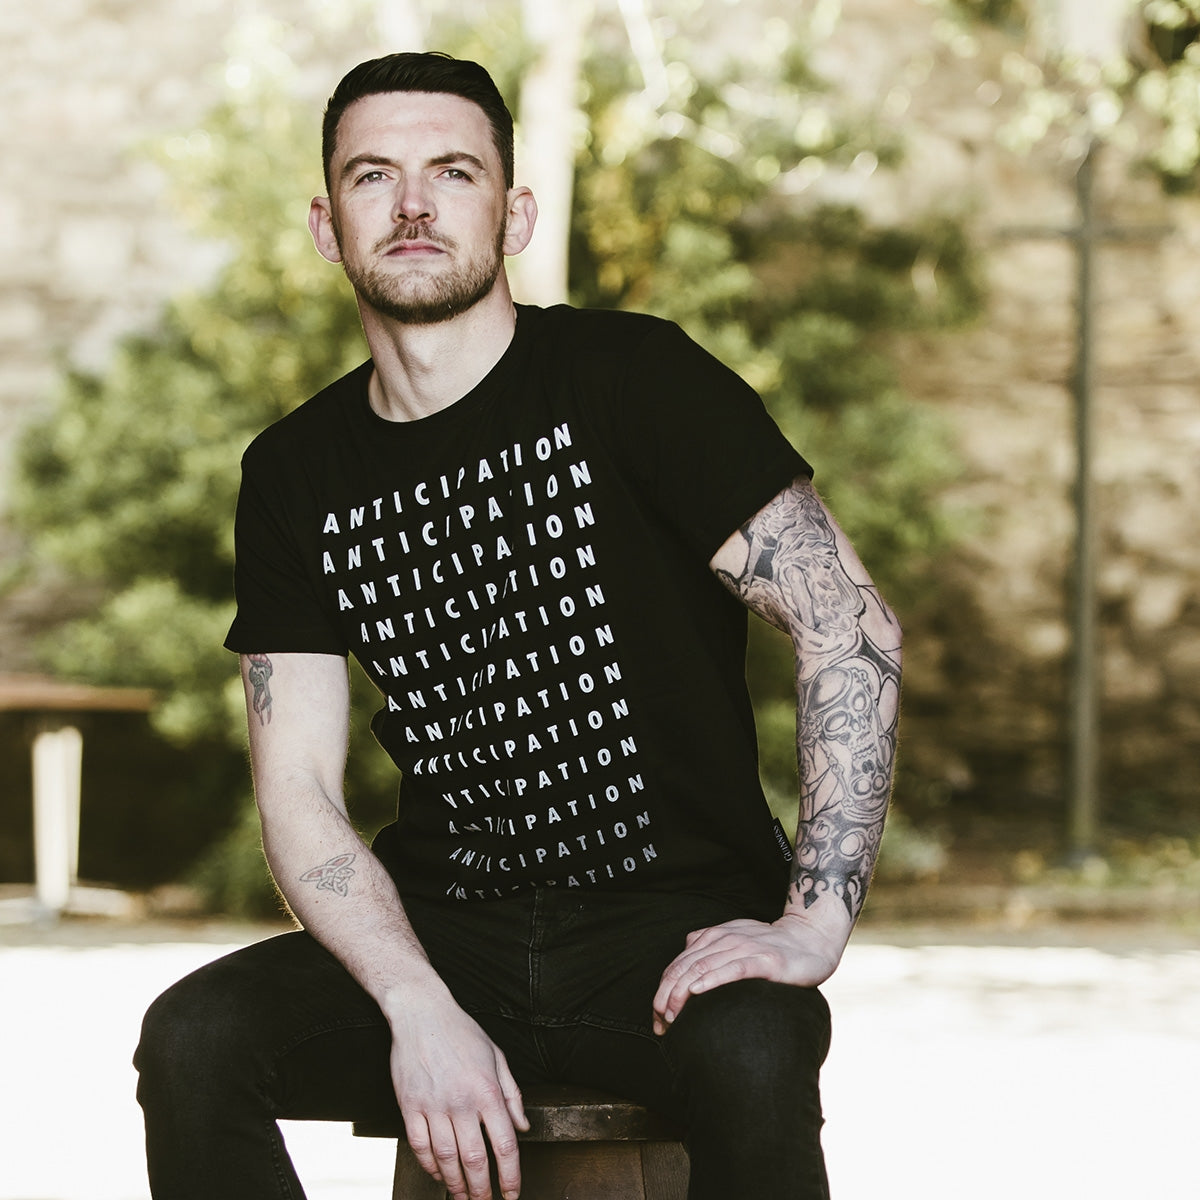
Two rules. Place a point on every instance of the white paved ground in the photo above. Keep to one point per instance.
(959, 1072)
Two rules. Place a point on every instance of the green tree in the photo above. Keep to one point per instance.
(690, 203)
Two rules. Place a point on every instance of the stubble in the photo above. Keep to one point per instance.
(420, 297)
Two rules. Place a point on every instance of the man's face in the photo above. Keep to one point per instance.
(418, 210)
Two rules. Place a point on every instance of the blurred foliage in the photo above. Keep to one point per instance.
(1144, 97)
(131, 482)
(911, 854)
(698, 206)
(1168, 866)
(1166, 82)
(1008, 14)
(232, 875)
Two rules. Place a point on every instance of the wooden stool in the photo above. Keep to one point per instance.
(581, 1145)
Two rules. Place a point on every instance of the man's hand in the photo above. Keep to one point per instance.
(794, 949)
(452, 1083)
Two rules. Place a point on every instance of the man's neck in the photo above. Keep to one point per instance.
(421, 369)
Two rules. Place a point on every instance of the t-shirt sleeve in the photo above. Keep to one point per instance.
(700, 441)
(278, 610)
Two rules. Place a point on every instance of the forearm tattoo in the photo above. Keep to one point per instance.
(848, 692)
(259, 673)
(333, 875)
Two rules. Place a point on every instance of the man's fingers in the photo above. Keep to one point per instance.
(673, 988)
(501, 1129)
(416, 1129)
(516, 1112)
(452, 1152)
(460, 1156)
(700, 969)
(473, 1155)
(666, 1002)
(678, 973)
(436, 1148)
(673, 994)
(506, 1151)
(512, 1095)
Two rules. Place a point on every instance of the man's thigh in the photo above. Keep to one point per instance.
(282, 1017)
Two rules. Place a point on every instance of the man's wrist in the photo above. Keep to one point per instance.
(824, 927)
(415, 987)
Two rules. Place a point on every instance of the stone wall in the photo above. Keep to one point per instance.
(89, 251)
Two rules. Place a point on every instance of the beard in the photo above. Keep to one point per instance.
(420, 298)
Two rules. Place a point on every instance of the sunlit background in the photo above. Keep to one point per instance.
(955, 244)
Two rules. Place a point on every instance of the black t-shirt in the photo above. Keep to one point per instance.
(524, 575)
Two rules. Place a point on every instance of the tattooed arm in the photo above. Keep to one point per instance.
(451, 1081)
(793, 566)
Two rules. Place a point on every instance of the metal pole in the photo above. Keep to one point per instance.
(1084, 723)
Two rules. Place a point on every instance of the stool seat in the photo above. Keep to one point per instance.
(581, 1144)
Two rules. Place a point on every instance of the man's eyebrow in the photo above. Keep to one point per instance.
(458, 156)
(441, 160)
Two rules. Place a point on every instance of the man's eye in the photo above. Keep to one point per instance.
(456, 173)
(370, 176)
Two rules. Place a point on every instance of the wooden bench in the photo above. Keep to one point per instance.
(581, 1145)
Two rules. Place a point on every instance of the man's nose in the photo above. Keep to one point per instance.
(413, 201)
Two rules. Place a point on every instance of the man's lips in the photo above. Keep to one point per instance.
(406, 248)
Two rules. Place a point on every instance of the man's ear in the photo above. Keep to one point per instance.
(522, 216)
(321, 226)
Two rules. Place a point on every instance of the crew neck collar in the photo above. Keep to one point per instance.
(467, 404)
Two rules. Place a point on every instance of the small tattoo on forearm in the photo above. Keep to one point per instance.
(332, 876)
(259, 673)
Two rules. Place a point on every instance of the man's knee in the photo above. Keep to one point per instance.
(755, 1037)
(190, 1031)
(747, 1060)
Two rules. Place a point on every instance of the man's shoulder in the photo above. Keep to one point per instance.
(316, 420)
(616, 348)
(565, 327)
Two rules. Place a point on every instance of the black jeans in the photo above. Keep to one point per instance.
(561, 981)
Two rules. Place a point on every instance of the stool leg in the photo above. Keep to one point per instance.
(581, 1171)
(411, 1181)
(665, 1170)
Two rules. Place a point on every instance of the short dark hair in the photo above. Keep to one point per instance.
(424, 71)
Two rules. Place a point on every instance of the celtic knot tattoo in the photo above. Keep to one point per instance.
(332, 876)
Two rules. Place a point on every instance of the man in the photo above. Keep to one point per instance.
(520, 521)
